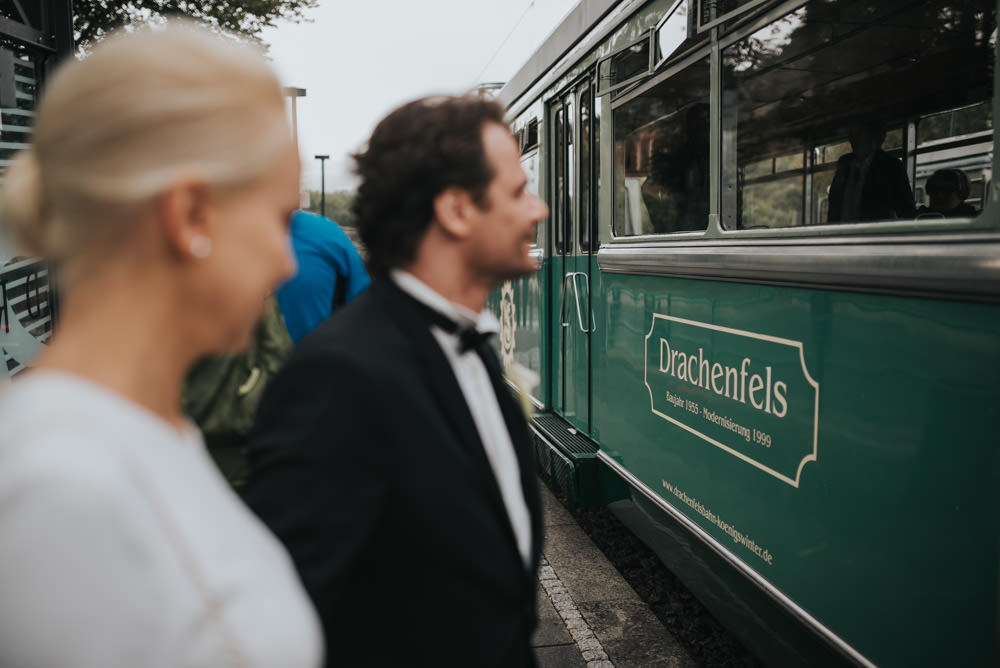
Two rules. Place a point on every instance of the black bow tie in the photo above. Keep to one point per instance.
(469, 338)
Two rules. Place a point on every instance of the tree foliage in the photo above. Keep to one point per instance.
(338, 206)
(247, 18)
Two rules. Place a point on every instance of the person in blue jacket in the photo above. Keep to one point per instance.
(330, 273)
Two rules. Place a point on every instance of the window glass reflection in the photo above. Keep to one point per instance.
(627, 65)
(711, 10)
(841, 112)
(673, 33)
(662, 157)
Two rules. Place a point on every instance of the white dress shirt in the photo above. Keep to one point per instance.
(121, 545)
(474, 381)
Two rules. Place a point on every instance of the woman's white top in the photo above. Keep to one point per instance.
(121, 545)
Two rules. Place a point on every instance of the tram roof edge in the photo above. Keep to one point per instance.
(573, 28)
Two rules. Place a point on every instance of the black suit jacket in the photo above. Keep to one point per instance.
(886, 194)
(367, 464)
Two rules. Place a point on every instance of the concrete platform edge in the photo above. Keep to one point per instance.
(603, 618)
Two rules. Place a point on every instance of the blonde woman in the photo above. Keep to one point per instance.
(161, 179)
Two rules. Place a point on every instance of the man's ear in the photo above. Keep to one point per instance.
(184, 213)
(453, 209)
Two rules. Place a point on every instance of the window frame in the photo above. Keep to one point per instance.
(648, 36)
(692, 34)
(744, 9)
(768, 14)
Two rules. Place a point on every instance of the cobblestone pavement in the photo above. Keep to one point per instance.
(588, 616)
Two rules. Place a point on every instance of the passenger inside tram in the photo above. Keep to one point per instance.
(947, 190)
(869, 184)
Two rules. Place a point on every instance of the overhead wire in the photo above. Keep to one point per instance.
(504, 42)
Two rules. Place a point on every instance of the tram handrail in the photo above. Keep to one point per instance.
(593, 323)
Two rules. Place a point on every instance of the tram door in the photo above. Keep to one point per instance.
(572, 211)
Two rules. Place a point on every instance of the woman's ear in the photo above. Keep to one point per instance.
(184, 211)
(453, 211)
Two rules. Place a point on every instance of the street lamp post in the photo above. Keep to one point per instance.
(322, 183)
(292, 94)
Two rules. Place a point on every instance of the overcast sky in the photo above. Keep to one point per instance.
(359, 60)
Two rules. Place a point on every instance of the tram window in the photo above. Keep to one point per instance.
(710, 11)
(675, 33)
(662, 156)
(628, 65)
(529, 162)
(955, 139)
(530, 136)
(527, 137)
(773, 196)
(956, 123)
(796, 86)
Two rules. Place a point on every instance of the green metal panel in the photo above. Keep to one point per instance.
(876, 506)
(518, 305)
(575, 339)
(569, 287)
(555, 361)
(572, 198)
(521, 305)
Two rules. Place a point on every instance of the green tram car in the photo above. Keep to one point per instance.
(794, 400)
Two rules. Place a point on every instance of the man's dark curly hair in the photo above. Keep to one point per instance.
(415, 153)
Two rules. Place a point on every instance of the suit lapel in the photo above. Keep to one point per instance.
(446, 391)
(437, 370)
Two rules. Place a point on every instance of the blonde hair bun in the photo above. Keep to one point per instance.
(119, 127)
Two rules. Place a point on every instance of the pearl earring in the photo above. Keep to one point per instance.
(201, 247)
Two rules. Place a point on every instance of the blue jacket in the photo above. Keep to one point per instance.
(325, 255)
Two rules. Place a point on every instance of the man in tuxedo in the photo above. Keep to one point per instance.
(389, 455)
